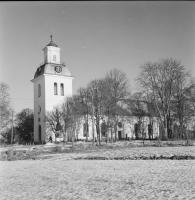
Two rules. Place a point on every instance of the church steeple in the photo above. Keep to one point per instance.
(51, 43)
(52, 53)
(52, 84)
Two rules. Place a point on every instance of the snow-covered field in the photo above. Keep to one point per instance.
(61, 177)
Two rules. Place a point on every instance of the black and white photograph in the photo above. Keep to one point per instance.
(97, 100)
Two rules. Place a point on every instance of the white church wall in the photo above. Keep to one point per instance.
(49, 52)
(39, 102)
(51, 99)
(48, 100)
(127, 130)
(80, 132)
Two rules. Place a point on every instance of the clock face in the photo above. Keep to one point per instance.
(58, 69)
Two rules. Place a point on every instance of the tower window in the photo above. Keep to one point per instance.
(39, 110)
(39, 90)
(62, 89)
(54, 58)
(55, 89)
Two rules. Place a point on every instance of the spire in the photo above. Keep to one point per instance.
(51, 43)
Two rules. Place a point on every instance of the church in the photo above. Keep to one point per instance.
(52, 84)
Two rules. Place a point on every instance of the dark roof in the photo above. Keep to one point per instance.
(40, 71)
(49, 68)
(52, 44)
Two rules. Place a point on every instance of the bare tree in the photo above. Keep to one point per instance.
(152, 113)
(138, 108)
(5, 109)
(54, 119)
(190, 91)
(187, 109)
(107, 93)
(159, 80)
(116, 89)
(86, 101)
(66, 116)
(191, 95)
(109, 108)
(95, 88)
(86, 97)
(76, 115)
(180, 101)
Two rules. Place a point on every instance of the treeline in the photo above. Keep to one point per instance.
(166, 92)
(14, 127)
(169, 90)
(20, 130)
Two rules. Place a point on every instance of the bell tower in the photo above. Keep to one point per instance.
(52, 84)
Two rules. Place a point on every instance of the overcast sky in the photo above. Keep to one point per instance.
(94, 38)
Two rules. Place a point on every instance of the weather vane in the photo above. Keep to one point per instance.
(51, 38)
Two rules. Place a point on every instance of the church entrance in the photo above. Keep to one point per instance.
(119, 131)
(137, 130)
(39, 132)
(119, 135)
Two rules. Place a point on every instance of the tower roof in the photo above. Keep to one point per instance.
(51, 43)
(49, 68)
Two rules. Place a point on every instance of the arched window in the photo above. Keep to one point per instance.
(55, 89)
(62, 89)
(54, 58)
(39, 110)
(39, 90)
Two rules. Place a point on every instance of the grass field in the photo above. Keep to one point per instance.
(97, 179)
(59, 173)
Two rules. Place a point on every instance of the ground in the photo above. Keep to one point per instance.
(60, 176)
